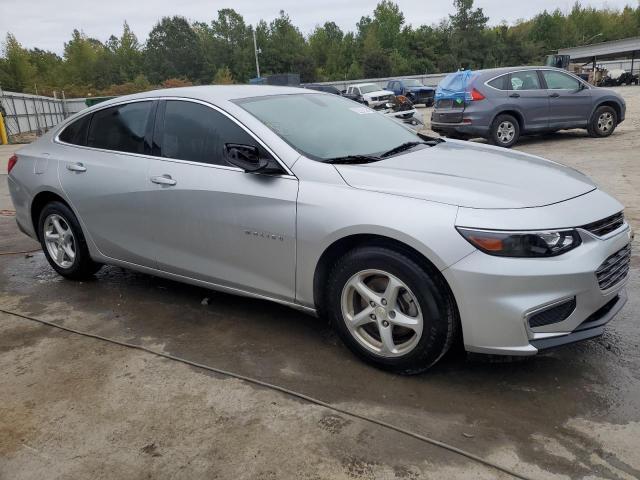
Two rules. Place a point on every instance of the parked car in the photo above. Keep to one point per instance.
(405, 242)
(413, 89)
(323, 88)
(502, 104)
(370, 94)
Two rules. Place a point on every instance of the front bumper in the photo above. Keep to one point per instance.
(496, 296)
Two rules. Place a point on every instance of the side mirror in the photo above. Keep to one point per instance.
(246, 157)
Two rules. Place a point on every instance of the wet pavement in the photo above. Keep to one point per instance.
(570, 413)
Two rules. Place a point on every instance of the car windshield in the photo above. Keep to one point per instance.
(324, 127)
(412, 82)
(369, 88)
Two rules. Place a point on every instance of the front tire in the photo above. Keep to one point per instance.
(391, 311)
(505, 131)
(603, 122)
(63, 242)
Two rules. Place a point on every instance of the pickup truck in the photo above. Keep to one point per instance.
(370, 94)
(413, 89)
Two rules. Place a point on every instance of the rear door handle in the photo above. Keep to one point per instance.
(164, 180)
(515, 95)
(76, 167)
(554, 95)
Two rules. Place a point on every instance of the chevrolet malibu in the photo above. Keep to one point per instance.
(406, 243)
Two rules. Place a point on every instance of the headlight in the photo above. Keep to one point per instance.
(522, 244)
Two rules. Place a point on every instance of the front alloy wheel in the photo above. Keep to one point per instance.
(603, 122)
(382, 313)
(390, 308)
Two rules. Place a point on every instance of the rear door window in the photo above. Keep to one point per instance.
(121, 128)
(559, 81)
(526, 80)
(76, 132)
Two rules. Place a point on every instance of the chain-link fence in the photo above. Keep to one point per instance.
(35, 114)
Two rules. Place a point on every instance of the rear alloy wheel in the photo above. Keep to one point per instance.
(389, 310)
(63, 243)
(603, 122)
(505, 131)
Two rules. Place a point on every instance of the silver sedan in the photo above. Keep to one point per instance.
(405, 243)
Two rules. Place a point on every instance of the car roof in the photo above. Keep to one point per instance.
(215, 94)
(502, 70)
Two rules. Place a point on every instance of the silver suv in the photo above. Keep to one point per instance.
(404, 242)
(502, 104)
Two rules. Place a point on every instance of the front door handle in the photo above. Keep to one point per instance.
(554, 95)
(76, 167)
(164, 180)
(515, 95)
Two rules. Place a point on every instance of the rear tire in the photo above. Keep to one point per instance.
(603, 122)
(389, 310)
(63, 242)
(505, 131)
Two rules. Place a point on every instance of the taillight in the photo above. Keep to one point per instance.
(13, 159)
(476, 95)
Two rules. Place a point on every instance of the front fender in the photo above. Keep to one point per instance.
(327, 213)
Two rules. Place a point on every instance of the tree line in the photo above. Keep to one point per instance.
(385, 43)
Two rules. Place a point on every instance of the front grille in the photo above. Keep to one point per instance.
(606, 225)
(555, 314)
(614, 269)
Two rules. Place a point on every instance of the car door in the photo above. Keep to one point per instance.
(212, 221)
(526, 94)
(105, 177)
(569, 100)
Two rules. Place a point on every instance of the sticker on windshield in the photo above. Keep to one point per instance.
(361, 110)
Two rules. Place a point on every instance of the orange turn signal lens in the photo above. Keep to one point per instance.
(487, 243)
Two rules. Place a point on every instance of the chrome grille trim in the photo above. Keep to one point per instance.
(606, 225)
(614, 269)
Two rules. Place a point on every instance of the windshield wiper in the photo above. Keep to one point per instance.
(402, 148)
(353, 159)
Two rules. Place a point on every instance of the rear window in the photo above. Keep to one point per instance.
(499, 83)
(121, 128)
(76, 132)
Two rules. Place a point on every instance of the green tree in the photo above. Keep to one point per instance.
(223, 77)
(173, 50)
(467, 40)
(126, 54)
(233, 43)
(17, 72)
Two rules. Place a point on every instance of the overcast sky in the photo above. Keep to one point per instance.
(47, 24)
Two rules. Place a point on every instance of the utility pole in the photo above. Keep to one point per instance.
(256, 50)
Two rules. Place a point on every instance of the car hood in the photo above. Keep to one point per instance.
(377, 93)
(468, 175)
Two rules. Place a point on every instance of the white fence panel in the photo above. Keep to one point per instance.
(26, 113)
(431, 79)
